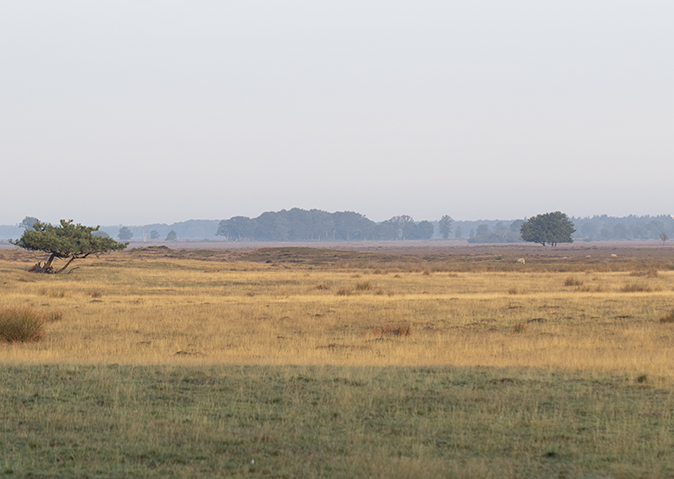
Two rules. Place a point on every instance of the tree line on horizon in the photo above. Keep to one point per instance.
(317, 225)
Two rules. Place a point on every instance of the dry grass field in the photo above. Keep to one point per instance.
(563, 366)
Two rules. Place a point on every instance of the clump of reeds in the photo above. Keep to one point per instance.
(19, 325)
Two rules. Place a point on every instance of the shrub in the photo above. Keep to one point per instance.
(21, 325)
(571, 281)
(363, 286)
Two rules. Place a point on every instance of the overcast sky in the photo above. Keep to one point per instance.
(144, 111)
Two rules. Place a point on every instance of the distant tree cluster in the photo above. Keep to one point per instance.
(500, 233)
(317, 225)
(608, 228)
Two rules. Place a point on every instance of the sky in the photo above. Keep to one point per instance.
(158, 111)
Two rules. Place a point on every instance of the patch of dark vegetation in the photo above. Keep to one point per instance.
(324, 421)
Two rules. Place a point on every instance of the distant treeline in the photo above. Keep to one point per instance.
(317, 225)
(604, 228)
(595, 228)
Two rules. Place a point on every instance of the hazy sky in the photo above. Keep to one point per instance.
(148, 111)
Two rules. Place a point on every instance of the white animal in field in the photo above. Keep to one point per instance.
(521, 261)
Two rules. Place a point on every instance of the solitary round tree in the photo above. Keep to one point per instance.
(550, 228)
(64, 241)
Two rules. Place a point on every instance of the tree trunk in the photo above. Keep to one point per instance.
(67, 264)
(49, 261)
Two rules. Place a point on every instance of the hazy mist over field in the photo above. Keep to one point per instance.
(162, 111)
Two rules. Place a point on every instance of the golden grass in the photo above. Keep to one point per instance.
(124, 309)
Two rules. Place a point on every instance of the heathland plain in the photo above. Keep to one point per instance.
(307, 362)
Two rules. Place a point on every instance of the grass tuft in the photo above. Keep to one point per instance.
(363, 286)
(651, 273)
(571, 281)
(668, 318)
(404, 329)
(635, 288)
(20, 325)
(519, 328)
(323, 287)
(53, 317)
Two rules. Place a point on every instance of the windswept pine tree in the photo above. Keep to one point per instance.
(64, 241)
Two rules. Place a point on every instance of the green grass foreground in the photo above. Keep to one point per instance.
(168, 421)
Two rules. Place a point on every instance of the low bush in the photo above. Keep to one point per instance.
(21, 325)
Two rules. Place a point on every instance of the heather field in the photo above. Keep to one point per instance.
(306, 362)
